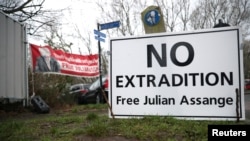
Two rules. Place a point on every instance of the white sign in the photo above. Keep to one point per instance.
(185, 75)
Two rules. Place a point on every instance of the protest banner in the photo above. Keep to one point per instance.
(48, 60)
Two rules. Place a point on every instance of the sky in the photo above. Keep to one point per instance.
(84, 14)
(80, 13)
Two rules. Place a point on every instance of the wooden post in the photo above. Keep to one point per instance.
(106, 99)
(237, 104)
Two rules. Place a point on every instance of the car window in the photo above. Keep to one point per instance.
(78, 87)
(86, 86)
(96, 83)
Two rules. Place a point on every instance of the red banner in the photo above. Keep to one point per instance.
(46, 59)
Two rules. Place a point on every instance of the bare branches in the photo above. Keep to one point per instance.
(126, 11)
(185, 16)
(18, 8)
(233, 12)
(57, 41)
(176, 13)
(86, 39)
(29, 12)
(22, 11)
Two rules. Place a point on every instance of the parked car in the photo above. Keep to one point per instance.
(94, 93)
(78, 89)
(247, 85)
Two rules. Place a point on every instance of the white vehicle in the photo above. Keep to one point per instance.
(78, 88)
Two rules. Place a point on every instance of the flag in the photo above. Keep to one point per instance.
(48, 60)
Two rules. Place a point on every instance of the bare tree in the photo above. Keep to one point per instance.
(30, 12)
(200, 15)
(126, 11)
(185, 16)
(233, 12)
(239, 12)
(175, 14)
(56, 40)
(21, 10)
(216, 8)
(171, 11)
(84, 38)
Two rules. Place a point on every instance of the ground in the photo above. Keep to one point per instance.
(22, 113)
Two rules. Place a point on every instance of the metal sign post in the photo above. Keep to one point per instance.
(101, 37)
(98, 37)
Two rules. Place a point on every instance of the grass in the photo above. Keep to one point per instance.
(77, 123)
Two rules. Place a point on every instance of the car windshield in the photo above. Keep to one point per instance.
(96, 84)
